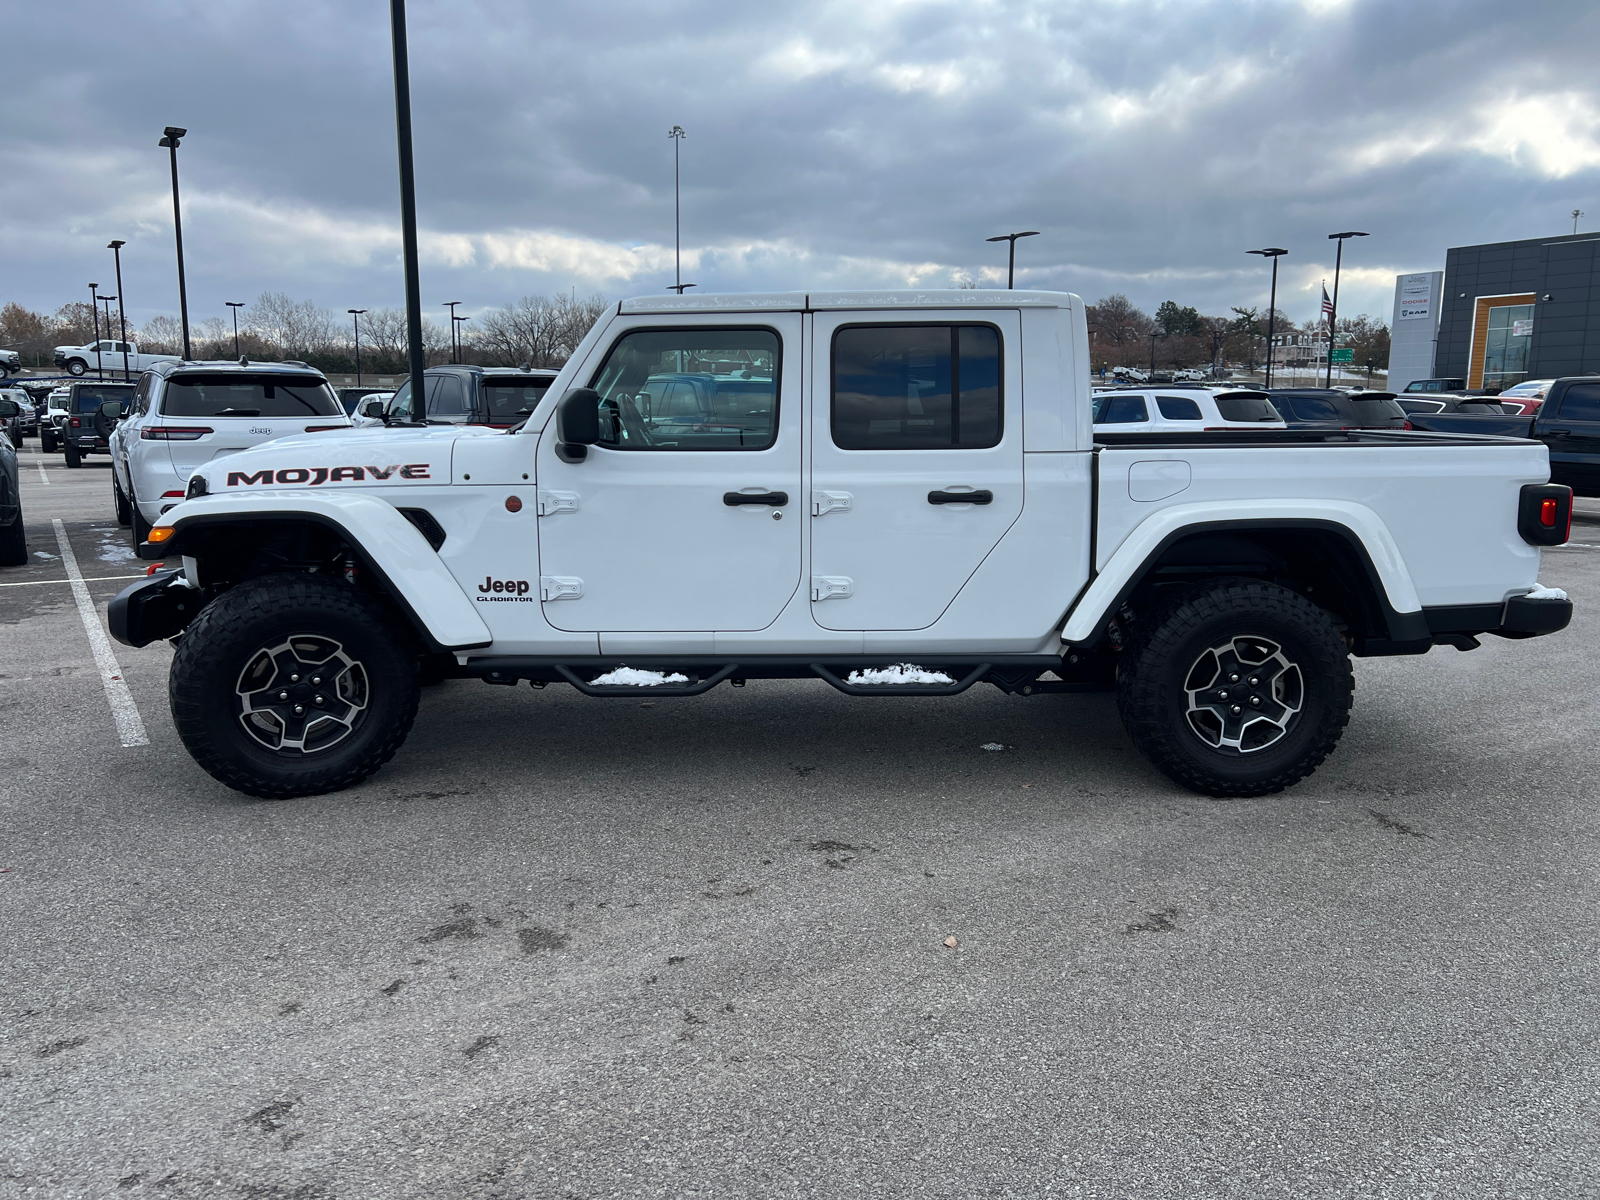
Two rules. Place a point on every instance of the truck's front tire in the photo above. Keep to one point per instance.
(76, 366)
(293, 684)
(1236, 688)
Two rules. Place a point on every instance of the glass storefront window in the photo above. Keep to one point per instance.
(1505, 358)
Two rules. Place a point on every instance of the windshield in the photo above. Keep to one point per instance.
(248, 396)
(1378, 410)
(89, 399)
(1246, 408)
(511, 400)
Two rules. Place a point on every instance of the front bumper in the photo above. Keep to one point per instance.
(160, 606)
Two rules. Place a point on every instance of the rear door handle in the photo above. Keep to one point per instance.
(775, 499)
(1558, 433)
(979, 497)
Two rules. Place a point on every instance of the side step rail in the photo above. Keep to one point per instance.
(693, 687)
(903, 689)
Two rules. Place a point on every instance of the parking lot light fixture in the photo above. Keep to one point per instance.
(1153, 338)
(1274, 253)
(1011, 268)
(680, 288)
(355, 315)
(456, 323)
(106, 300)
(122, 309)
(1333, 315)
(451, 305)
(171, 137)
(236, 305)
(677, 135)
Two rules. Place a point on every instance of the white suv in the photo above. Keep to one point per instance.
(1179, 410)
(186, 414)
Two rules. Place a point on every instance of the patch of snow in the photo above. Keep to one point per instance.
(633, 677)
(899, 673)
(1540, 592)
(994, 746)
(116, 552)
(42, 554)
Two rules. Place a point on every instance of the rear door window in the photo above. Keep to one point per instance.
(916, 387)
(1581, 403)
(1178, 408)
(1314, 408)
(509, 401)
(1247, 408)
(89, 399)
(252, 396)
(1123, 410)
(1379, 410)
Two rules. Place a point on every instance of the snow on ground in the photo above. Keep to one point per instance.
(633, 677)
(899, 673)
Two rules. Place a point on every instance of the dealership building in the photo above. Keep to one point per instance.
(1501, 313)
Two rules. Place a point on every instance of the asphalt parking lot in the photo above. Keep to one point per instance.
(564, 947)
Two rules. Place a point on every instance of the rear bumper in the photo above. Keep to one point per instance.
(1519, 617)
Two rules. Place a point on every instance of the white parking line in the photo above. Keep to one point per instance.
(123, 710)
(86, 579)
(43, 478)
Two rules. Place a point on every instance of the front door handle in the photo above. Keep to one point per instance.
(1558, 433)
(775, 499)
(983, 496)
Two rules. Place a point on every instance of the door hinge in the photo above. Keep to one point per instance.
(829, 587)
(557, 502)
(560, 587)
(827, 502)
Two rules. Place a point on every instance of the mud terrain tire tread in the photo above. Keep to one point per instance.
(239, 622)
(1151, 673)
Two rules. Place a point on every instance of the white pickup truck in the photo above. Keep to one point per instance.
(897, 493)
(106, 355)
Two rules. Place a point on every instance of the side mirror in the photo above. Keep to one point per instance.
(111, 410)
(372, 408)
(8, 408)
(577, 424)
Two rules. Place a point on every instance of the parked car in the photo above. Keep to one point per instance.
(1434, 385)
(30, 409)
(373, 410)
(10, 362)
(1568, 422)
(903, 500)
(469, 395)
(13, 539)
(1448, 403)
(17, 425)
(1133, 373)
(184, 415)
(87, 428)
(1186, 411)
(1528, 389)
(54, 419)
(106, 355)
(1325, 408)
(1520, 406)
(350, 398)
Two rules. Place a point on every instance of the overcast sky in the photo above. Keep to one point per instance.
(831, 143)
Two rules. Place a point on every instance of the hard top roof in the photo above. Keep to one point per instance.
(231, 366)
(815, 301)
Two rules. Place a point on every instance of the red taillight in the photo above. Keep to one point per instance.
(174, 433)
(1407, 425)
(75, 423)
(1549, 513)
(324, 428)
(170, 495)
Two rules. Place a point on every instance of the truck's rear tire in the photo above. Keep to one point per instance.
(282, 643)
(1216, 653)
(74, 459)
(47, 443)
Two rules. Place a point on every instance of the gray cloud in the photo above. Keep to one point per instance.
(838, 144)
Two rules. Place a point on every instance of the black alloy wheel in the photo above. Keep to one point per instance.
(1235, 687)
(292, 685)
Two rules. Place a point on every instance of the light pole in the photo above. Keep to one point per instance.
(355, 315)
(1576, 213)
(171, 137)
(122, 309)
(680, 287)
(677, 135)
(1274, 253)
(1153, 337)
(451, 305)
(94, 303)
(1011, 270)
(106, 300)
(1333, 316)
(408, 208)
(455, 329)
(236, 305)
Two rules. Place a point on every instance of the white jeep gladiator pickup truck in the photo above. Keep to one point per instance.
(897, 493)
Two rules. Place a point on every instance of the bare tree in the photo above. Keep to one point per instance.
(541, 331)
(26, 332)
(161, 335)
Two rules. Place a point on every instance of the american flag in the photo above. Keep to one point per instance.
(1327, 305)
